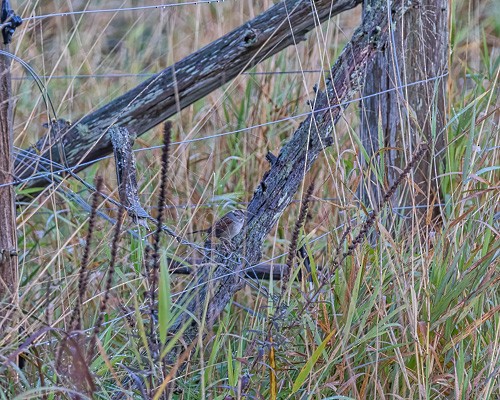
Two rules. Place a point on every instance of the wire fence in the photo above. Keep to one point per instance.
(159, 7)
(50, 168)
(59, 169)
(151, 74)
(53, 169)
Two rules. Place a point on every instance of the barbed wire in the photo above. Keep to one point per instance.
(122, 9)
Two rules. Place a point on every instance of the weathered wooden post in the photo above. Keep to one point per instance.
(8, 237)
(410, 75)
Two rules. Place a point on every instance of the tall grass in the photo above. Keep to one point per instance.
(414, 315)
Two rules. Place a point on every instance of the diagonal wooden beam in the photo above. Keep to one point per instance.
(183, 83)
(281, 182)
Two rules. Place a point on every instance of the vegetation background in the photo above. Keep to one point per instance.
(415, 316)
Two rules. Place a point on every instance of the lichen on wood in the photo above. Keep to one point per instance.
(178, 86)
(214, 287)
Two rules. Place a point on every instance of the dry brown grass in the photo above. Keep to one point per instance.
(414, 316)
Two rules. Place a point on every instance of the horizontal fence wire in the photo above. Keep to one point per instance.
(49, 164)
(230, 273)
(60, 169)
(160, 7)
(151, 74)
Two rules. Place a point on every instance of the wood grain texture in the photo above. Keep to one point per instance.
(404, 118)
(214, 287)
(185, 82)
(8, 236)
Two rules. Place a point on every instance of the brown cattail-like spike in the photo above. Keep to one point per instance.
(371, 219)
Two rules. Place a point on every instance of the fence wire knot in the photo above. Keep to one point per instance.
(10, 21)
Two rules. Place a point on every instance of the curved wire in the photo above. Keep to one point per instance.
(38, 81)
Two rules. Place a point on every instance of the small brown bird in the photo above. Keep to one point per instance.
(227, 227)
